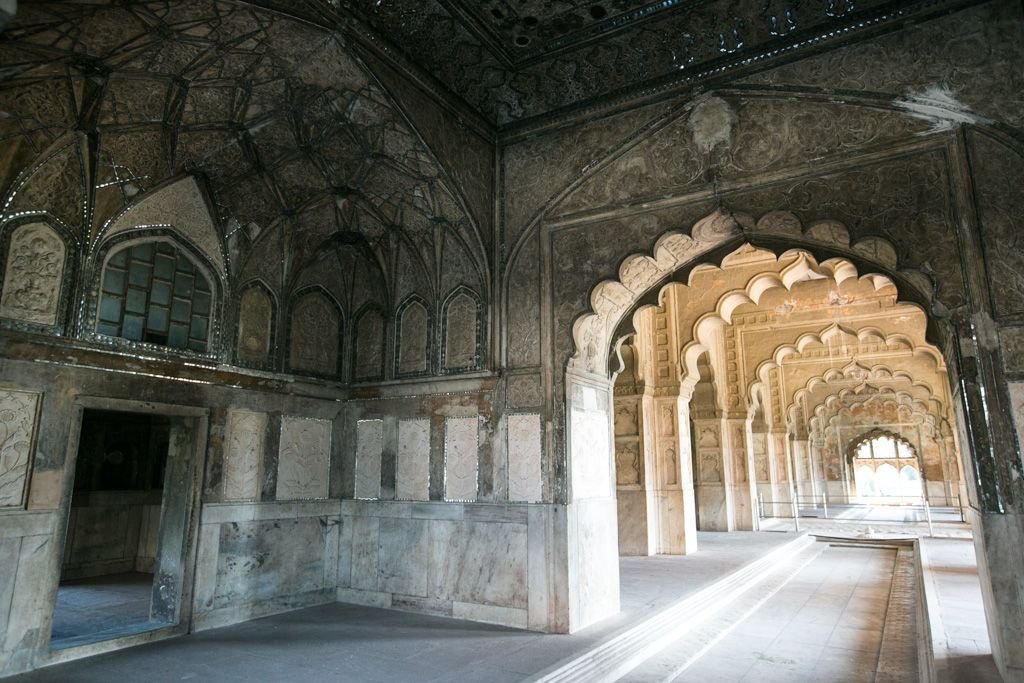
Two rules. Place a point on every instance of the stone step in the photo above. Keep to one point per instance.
(623, 652)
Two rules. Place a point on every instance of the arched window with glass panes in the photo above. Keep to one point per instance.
(152, 292)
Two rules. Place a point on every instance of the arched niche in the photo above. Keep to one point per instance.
(33, 276)
(314, 333)
(155, 290)
(257, 314)
(368, 364)
(461, 348)
(412, 338)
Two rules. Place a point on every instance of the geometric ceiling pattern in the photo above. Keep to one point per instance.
(512, 60)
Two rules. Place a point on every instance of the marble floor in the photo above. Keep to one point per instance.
(825, 624)
(91, 609)
(825, 620)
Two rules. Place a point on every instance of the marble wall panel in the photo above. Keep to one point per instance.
(460, 458)
(524, 458)
(32, 279)
(18, 415)
(303, 464)
(267, 559)
(413, 469)
(243, 454)
(482, 563)
(404, 550)
(369, 448)
(591, 443)
(365, 552)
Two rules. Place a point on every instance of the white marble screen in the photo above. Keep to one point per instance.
(18, 411)
(243, 454)
(413, 471)
(369, 447)
(524, 467)
(460, 458)
(304, 459)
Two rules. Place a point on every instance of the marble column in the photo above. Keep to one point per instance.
(677, 525)
(636, 500)
(714, 489)
(743, 480)
(800, 451)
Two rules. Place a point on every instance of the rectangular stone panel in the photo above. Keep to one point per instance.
(413, 474)
(304, 458)
(369, 447)
(524, 458)
(18, 415)
(243, 454)
(460, 458)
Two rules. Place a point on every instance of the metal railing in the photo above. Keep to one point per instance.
(821, 507)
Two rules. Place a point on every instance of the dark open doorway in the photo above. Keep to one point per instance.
(121, 570)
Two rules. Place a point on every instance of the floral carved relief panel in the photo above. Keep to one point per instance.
(412, 477)
(413, 341)
(460, 458)
(255, 322)
(314, 339)
(303, 465)
(18, 415)
(369, 448)
(243, 455)
(524, 458)
(33, 274)
(370, 346)
(461, 334)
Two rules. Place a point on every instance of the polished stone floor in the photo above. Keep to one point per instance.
(90, 608)
(348, 643)
(822, 625)
(826, 624)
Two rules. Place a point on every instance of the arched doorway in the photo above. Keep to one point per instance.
(787, 456)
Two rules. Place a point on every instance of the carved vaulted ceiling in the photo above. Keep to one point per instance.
(512, 60)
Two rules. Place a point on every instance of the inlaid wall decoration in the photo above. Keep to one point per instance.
(369, 448)
(304, 458)
(369, 341)
(255, 326)
(33, 275)
(243, 454)
(590, 418)
(18, 415)
(314, 334)
(461, 349)
(413, 470)
(460, 458)
(525, 479)
(413, 338)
